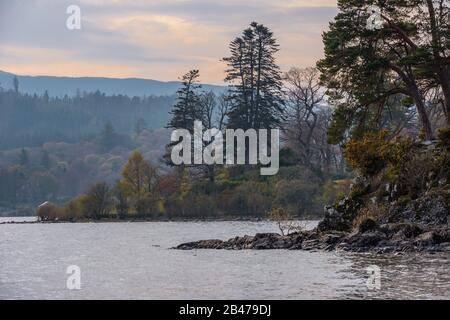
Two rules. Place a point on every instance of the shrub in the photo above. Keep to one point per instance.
(367, 224)
(359, 189)
(284, 220)
(397, 154)
(413, 175)
(250, 198)
(97, 202)
(74, 209)
(334, 191)
(146, 205)
(121, 202)
(365, 155)
(297, 196)
(444, 137)
(200, 205)
(372, 211)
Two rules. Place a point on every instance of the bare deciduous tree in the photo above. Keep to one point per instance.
(308, 118)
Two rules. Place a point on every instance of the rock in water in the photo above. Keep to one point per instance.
(386, 238)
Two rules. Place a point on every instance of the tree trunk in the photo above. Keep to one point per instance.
(414, 92)
(423, 115)
(444, 76)
(442, 71)
(211, 173)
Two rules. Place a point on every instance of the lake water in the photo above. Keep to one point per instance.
(134, 261)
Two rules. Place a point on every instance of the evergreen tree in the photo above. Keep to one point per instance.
(45, 160)
(255, 80)
(364, 68)
(108, 136)
(140, 126)
(46, 96)
(23, 157)
(16, 85)
(187, 107)
(423, 27)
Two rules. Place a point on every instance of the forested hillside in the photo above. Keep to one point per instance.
(31, 120)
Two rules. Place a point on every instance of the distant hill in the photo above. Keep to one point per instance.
(60, 86)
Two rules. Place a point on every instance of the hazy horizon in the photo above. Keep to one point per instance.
(88, 76)
(157, 39)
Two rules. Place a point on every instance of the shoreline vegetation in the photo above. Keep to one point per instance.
(237, 193)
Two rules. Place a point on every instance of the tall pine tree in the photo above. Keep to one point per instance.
(187, 107)
(186, 110)
(23, 157)
(45, 160)
(255, 80)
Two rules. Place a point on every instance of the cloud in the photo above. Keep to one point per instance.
(152, 39)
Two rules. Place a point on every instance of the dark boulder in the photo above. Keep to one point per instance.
(202, 244)
(340, 216)
(368, 224)
(365, 240)
(426, 239)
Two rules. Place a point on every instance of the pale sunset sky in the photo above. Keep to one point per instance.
(153, 39)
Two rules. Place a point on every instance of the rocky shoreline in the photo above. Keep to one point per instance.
(384, 239)
(421, 225)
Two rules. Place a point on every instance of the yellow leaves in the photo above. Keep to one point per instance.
(138, 175)
(374, 152)
(185, 186)
(161, 207)
(366, 155)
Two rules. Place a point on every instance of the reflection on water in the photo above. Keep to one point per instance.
(407, 276)
(134, 261)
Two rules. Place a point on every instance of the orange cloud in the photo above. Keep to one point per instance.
(163, 39)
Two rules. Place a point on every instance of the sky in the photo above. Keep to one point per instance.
(152, 39)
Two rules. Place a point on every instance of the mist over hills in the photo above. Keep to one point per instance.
(60, 86)
(76, 109)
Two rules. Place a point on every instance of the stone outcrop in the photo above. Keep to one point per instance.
(430, 209)
(383, 239)
(339, 217)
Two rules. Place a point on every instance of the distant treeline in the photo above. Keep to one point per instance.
(31, 120)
